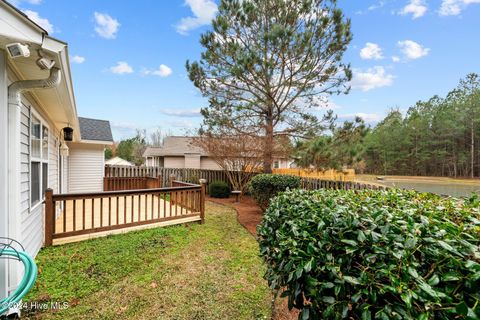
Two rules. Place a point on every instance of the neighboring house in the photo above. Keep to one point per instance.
(36, 103)
(117, 161)
(87, 157)
(179, 152)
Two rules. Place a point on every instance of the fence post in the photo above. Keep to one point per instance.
(172, 178)
(49, 217)
(203, 183)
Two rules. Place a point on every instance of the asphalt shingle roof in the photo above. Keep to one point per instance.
(94, 129)
(175, 146)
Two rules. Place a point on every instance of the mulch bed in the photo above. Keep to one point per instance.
(249, 215)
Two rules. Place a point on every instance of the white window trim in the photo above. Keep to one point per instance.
(44, 123)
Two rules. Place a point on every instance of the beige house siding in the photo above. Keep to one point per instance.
(208, 164)
(86, 168)
(174, 162)
(192, 161)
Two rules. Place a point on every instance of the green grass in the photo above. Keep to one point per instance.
(209, 271)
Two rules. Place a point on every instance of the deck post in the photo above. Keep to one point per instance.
(49, 217)
(203, 183)
(172, 178)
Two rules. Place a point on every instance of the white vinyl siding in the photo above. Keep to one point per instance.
(86, 168)
(32, 225)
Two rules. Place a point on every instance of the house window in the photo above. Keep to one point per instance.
(276, 164)
(38, 160)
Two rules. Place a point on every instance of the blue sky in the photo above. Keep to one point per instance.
(128, 57)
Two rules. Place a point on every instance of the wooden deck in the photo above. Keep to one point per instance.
(78, 218)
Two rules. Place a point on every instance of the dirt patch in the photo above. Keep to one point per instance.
(249, 215)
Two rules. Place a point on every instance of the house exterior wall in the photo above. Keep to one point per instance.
(208, 164)
(192, 161)
(281, 163)
(174, 162)
(3, 167)
(86, 165)
(154, 161)
(32, 223)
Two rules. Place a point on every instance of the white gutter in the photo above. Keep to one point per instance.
(14, 218)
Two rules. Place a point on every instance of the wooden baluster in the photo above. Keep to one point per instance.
(83, 214)
(101, 212)
(64, 215)
(118, 211)
(139, 208)
(92, 203)
(131, 207)
(124, 209)
(74, 214)
(109, 212)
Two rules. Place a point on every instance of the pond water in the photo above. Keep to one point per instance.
(443, 188)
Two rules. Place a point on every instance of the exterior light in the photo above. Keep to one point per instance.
(64, 151)
(68, 134)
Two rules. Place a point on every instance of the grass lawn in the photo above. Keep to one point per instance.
(209, 271)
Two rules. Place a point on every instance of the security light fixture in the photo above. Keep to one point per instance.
(17, 50)
(45, 64)
(64, 151)
(68, 134)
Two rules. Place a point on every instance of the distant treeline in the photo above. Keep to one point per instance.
(438, 137)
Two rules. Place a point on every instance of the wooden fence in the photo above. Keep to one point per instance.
(183, 174)
(77, 214)
(331, 174)
(131, 183)
(315, 184)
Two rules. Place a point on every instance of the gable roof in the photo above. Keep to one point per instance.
(94, 129)
(175, 146)
(117, 161)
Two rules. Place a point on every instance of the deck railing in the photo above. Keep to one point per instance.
(76, 214)
(131, 183)
(183, 174)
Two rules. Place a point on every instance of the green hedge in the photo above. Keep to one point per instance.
(374, 254)
(219, 189)
(263, 187)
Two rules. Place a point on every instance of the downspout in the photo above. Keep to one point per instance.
(14, 156)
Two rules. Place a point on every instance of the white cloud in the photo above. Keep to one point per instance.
(378, 5)
(106, 26)
(203, 13)
(78, 59)
(18, 2)
(162, 71)
(375, 77)
(371, 51)
(396, 59)
(416, 8)
(454, 7)
(192, 113)
(42, 22)
(367, 117)
(122, 67)
(412, 50)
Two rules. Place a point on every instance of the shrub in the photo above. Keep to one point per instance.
(373, 254)
(263, 187)
(219, 189)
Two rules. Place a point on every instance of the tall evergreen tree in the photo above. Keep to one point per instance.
(266, 63)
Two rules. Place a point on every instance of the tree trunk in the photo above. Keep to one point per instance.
(472, 150)
(268, 148)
